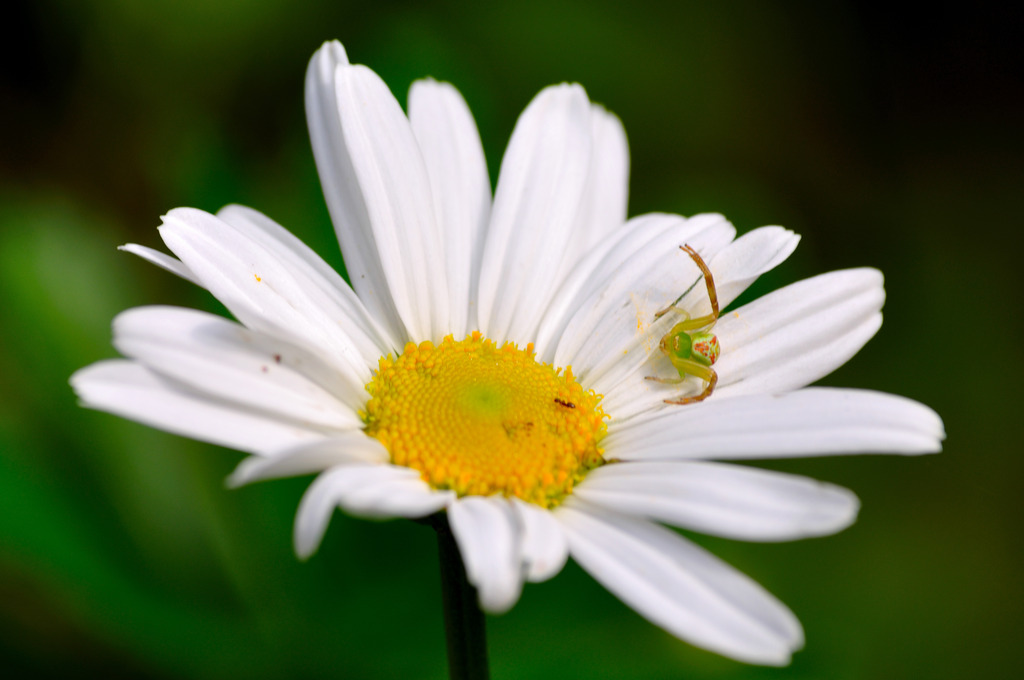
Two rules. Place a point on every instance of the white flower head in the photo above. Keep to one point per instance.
(491, 359)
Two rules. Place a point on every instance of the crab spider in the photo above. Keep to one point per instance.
(690, 345)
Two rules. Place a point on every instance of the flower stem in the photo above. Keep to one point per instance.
(463, 621)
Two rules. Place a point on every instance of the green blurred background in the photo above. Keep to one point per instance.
(885, 136)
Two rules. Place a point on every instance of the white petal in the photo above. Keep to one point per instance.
(162, 260)
(680, 587)
(613, 330)
(603, 208)
(342, 190)
(400, 493)
(540, 186)
(739, 264)
(723, 500)
(488, 534)
(268, 292)
(815, 421)
(589, 273)
(367, 490)
(129, 390)
(345, 447)
(544, 547)
(397, 193)
(454, 158)
(227, 361)
(338, 297)
(798, 334)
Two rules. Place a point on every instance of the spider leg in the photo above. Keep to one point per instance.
(695, 368)
(709, 282)
(687, 325)
(667, 381)
(670, 308)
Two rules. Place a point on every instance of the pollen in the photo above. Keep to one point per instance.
(481, 419)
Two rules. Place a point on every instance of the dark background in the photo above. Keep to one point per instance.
(885, 136)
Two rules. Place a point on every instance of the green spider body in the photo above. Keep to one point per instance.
(690, 345)
(701, 346)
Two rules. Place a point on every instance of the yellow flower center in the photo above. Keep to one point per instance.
(481, 419)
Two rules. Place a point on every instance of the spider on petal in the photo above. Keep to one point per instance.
(690, 345)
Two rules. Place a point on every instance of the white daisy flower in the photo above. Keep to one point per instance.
(491, 359)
